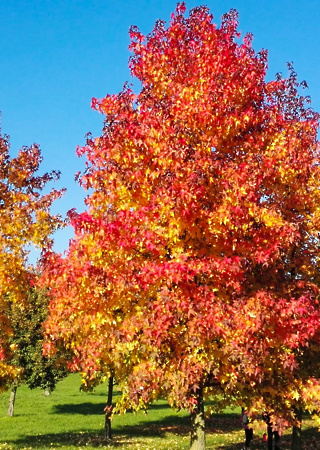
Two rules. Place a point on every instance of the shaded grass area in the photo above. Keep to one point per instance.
(72, 419)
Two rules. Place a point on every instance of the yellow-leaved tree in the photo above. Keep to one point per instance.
(25, 219)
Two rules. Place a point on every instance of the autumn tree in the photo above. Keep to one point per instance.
(25, 220)
(194, 271)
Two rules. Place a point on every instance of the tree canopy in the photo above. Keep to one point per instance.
(25, 220)
(195, 270)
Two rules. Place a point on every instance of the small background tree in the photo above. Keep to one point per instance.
(25, 220)
(26, 342)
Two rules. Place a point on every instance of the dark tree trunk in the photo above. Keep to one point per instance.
(296, 431)
(108, 411)
(270, 437)
(198, 437)
(277, 440)
(12, 400)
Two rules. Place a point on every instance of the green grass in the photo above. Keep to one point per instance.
(72, 419)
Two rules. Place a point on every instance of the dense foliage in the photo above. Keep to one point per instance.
(195, 269)
(25, 220)
(36, 369)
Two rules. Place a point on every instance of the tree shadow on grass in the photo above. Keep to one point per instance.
(122, 437)
(176, 424)
(125, 435)
(80, 439)
(155, 428)
(131, 436)
(86, 408)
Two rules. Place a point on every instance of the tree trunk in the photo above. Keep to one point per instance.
(108, 411)
(198, 437)
(296, 431)
(270, 437)
(12, 400)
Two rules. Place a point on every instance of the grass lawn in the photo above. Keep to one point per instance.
(72, 419)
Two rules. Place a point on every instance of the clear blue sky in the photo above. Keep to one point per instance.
(58, 54)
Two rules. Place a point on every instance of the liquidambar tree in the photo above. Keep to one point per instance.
(203, 208)
(25, 220)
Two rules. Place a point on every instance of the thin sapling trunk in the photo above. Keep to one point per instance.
(12, 400)
(108, 411)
